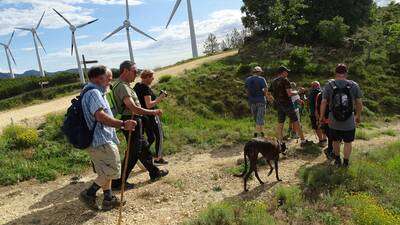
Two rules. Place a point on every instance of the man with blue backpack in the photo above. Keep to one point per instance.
(257, 90)
(90, 124)
(343, 97)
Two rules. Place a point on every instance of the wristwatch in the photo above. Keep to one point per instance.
(123, 125)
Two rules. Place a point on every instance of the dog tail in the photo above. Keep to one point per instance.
(245, 162)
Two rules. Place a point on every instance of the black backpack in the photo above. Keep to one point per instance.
(75, 127)
(342, 107)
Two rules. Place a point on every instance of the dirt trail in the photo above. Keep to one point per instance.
(35, 112)
(196, 179)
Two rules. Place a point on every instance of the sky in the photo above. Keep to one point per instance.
(210, 16)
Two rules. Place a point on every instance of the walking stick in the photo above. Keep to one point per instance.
(124, 176)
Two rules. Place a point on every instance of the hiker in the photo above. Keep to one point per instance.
(314, 111)
(256, 87)
(282, 93)
(298, 104)
(103, 150)
(343, 98)
(128, 104)
(324, 127)
(152, 124)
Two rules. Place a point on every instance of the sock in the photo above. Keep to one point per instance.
(93, 189)
(346, 162)
(107, 195)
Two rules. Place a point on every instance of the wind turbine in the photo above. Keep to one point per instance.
(8, 54)
(73, 43)
(128, 25)
(35, 36)
(191, 25)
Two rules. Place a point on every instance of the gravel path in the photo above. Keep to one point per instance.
(197, 178)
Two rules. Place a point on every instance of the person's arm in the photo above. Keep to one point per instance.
(290, 92)
(324, 104)
(359, 108)
(130, 104)
(150, 104)
(105, 119)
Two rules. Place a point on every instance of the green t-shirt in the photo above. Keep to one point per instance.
(122, 90)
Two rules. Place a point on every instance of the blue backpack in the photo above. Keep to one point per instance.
(75, 127)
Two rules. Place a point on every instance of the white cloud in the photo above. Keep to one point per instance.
(79, 37)
(173, 44)
(385, 2)
(13, 16)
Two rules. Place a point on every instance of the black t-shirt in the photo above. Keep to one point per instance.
(278, 89)
(144, 90)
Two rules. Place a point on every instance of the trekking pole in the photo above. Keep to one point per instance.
(124, 176)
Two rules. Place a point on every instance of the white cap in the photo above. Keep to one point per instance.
(258, 69)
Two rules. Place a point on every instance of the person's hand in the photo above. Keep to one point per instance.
(357, 119)
(130, 125)
(162, 95)
(158, 112)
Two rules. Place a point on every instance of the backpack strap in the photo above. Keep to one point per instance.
(81, 97)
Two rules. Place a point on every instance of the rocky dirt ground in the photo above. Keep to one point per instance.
(197, 178)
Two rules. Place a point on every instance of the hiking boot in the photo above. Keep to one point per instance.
(161, 161)
(255, 135)
(111, 204)
(128, 186)
(159, 175)
(346, 163)
(305, 142)
(322, 143)
(338, 162)
(89, 200)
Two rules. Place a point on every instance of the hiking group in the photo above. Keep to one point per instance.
(102, 108)
(334, 110)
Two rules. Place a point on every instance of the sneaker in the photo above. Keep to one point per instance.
(161, 161)
(128, 186)
(346, 163)
(111, 204)
(89, 200)
(322, 143)
(161, 173)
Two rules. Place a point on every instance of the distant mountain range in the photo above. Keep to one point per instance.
(30, 73)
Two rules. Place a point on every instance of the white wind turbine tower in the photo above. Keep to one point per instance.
(73, 43)
(8, 54)
(35, 36)
(191, 25)
(128, 25)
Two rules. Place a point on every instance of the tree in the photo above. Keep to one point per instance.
(332, 32)
(274, 17)
(211, 45)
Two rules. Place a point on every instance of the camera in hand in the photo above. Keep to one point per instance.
(164, 92)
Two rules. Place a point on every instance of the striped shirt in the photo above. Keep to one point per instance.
(93, 101)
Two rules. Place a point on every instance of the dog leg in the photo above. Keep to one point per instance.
(252, 168)
(270, 166)
(258, 178)
(276, 170)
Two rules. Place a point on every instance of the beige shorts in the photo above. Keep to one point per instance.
(106, 161)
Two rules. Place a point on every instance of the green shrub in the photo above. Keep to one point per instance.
(367, 211)
(290, 197)
(20, 137)
(299, 58)
(332, 32)
(165, 78)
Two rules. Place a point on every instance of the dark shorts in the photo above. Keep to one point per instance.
(314, 124)
(340, 135)
(286, 110)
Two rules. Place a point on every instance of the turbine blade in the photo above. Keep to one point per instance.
(12, 35)
(40, 42)
(69, 23)
(127, 9)
(40, 21)
(143, 33)
(9, 50)
(115, 31)
(21, 28)
(178, 2)
(72, 43)
(84, 24)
